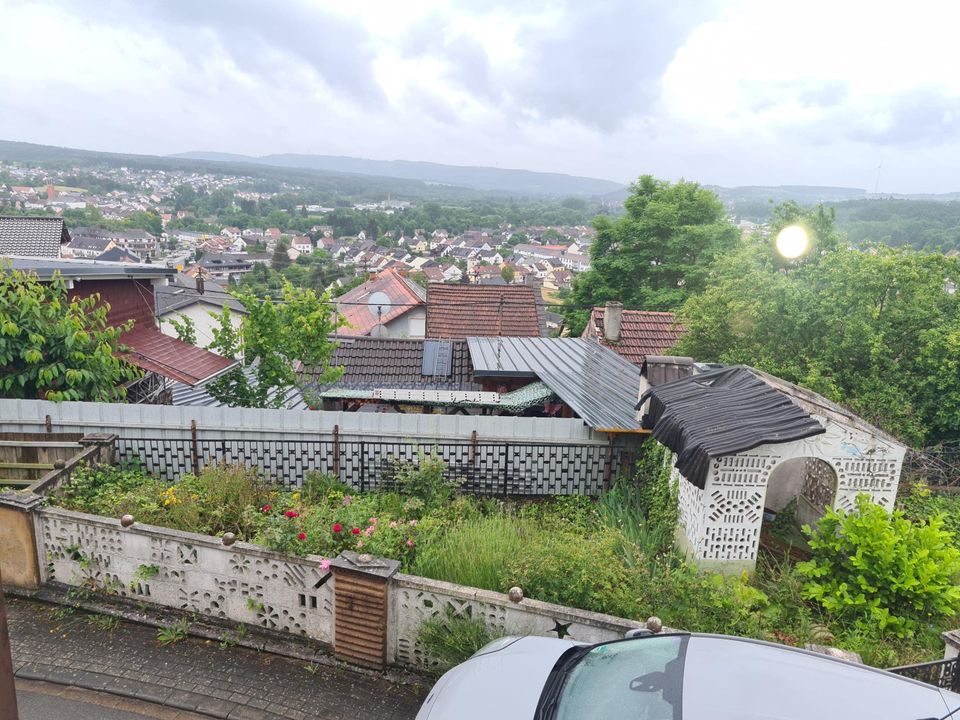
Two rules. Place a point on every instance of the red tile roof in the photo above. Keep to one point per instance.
(460, 311)
(361, 317)
(642, 333)
(153, 351)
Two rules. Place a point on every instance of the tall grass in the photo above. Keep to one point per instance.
(472, 553)
(626, 508)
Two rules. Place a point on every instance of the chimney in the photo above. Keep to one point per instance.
(51, 191)
(612, 317)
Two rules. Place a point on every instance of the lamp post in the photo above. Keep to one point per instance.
(8, 693)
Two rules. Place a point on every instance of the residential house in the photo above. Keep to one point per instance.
(633, 334)
(33, 236)
(302, 244)
(460, 311)
(223, 266)
(90, 247)
(129, 291)
(387, 305)
(185, 296)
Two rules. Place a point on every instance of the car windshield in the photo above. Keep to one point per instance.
(638, 679)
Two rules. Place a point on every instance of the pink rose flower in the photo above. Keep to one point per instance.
(324, 565)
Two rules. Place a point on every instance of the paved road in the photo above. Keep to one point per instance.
(71, 648)
(46, 701)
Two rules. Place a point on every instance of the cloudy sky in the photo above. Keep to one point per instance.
(728, 92)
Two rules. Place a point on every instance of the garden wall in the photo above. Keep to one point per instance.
(418, 599)
(491, 455)
(247, 584)
(190, 572)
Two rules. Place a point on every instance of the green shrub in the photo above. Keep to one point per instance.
(878, 568)
(583, 571)
(450, 640)
(473, 552)
(99, 490)
(703, 601)
(426, 479)
(919, 504)
(317, 486)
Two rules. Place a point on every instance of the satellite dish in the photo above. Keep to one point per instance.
(379, 331)
(379, 304)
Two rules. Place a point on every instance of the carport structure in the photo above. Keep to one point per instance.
(744, 441)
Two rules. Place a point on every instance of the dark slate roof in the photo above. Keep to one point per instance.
(89, 242)
(119, 254)
(394, 363)
(186, 395)
(182, 292)
(32, 236)
(722, 412)
(596, 383)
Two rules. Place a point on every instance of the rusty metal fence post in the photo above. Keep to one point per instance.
(361, 588)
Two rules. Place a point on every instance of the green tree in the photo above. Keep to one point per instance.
(185, 328)
(658, 254)
(274, 338)
(280, 259)
(518, 238)
(873, 329)
(56, 348)
(508, 273)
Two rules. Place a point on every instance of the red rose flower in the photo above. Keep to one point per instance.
(355, 531)
(291, 514)
(266, 508)
(302, 536)
(337, 527)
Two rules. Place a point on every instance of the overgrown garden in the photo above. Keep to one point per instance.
(882, 585)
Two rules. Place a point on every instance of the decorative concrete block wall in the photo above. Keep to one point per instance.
(417, 599)
(186, 571)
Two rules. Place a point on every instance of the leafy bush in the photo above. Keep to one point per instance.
(426, 479)
(874, 567)
(450, 640)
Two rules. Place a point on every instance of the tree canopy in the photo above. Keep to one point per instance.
(56, 348)
(873, 328)
(275, 337)
(657, 254)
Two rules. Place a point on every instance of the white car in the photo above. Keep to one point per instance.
(676, 676)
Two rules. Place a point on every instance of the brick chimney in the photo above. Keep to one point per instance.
(612, 318)
(51, 191)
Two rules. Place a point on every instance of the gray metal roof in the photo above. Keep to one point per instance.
(46, 267)
(597, 384)
(32, 236)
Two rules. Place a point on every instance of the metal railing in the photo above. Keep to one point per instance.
(939, 673)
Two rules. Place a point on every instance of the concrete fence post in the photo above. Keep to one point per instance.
(362, 600)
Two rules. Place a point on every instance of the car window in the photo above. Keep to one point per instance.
(638, 679)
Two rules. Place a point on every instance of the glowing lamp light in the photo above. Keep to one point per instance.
(792, 241)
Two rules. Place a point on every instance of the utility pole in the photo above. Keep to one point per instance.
(8, 693)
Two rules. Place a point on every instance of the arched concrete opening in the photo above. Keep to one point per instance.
(809, 480)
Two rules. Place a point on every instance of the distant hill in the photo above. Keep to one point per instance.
(268, 177)
(526, 182)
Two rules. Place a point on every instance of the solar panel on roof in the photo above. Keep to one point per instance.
(437, 358)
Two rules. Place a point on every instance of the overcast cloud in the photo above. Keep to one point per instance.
(729, 92)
